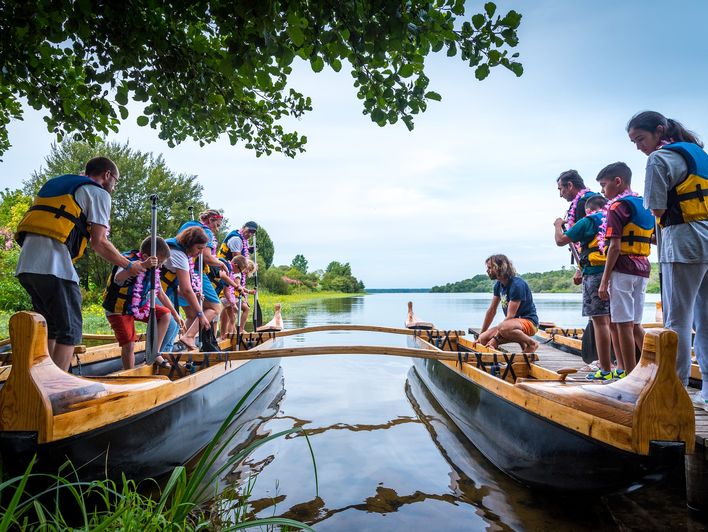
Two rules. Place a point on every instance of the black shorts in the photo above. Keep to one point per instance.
(59, 301)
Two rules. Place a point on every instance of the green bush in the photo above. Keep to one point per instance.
(12, 296)
(272, 280)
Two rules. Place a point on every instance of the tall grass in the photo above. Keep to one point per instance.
(187, 501)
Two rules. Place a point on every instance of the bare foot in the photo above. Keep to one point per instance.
(530, 347)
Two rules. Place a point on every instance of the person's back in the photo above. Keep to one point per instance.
(517, 290)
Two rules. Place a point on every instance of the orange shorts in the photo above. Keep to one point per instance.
(123, 325)
(528, 326)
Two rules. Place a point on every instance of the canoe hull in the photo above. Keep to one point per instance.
(148, 445)
(536, 451)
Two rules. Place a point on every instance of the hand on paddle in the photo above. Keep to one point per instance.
(179, 320)
(204, 322)
(559, 222)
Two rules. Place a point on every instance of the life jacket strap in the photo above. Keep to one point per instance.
(61, 213)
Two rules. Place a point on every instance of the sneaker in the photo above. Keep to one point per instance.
(600, 375)
(619, 373)
(699, 402)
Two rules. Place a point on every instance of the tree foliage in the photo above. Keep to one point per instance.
(299, 263)
(206, 68)
(338, 277)
(266, 248)
(141, 174)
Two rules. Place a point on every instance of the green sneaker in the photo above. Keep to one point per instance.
(600, 375)
(619, 373)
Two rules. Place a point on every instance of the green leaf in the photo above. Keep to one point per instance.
(517, 68)
(432, 95)
(406, 70)
(481, 72)
(478, 20)
(490, 8)
(336, 64)
(123, 112)
(142, 120)
(317, 64)
(296, 35)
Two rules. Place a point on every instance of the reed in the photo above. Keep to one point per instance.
(188, 500)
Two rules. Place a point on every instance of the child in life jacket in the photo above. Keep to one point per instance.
(625, 237)
(230, 289)
(125, 300)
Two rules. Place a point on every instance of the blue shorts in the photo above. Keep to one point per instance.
(209, 293)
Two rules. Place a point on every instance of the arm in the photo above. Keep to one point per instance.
(122, 276)
(106, 250)
(613, 253)
(185, 286)
(225, 277)
(168, 304)
(561, 238)
(211, 260)
(512, 309)
(491, 312)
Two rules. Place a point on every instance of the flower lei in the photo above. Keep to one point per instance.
(245, 253)
(230, 290)
(574, 206)
(135, 309)
(603, 226)
(195, 277)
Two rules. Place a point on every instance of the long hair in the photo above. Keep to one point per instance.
(673, 129)
(504, 266)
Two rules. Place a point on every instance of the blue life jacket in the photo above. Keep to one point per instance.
(688, 200)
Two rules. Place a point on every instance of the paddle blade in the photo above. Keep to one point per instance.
(258, 314)
(151, 347)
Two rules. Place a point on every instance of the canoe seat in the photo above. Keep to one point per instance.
(614, 402)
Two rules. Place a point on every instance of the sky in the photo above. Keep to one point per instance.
(477, 174)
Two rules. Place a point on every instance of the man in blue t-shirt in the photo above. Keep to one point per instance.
(592, 263)
(520, 322)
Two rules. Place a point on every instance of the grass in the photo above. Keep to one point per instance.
(187, 501)
(95, 320)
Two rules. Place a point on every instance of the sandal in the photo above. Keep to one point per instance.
(187, 347)
(163, 364)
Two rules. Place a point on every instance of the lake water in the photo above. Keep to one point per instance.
(388, 458)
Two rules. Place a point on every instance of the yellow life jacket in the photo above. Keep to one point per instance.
(56, 214)
(637, 233)
(688, 201)
(590, 254)
(118, 299)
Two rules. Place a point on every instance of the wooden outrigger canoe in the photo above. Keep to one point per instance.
(553, 433)
(132, 422)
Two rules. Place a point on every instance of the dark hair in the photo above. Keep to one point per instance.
(191, 237)
(571, 176)
(595, 202)
(99, 165)
(673, 130)
(618, 169)
(162, 250)
(504, 266)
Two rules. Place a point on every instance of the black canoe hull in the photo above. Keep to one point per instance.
(149, 445)
(535, 451)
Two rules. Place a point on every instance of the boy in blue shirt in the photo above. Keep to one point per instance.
(592, 263)
(520, 322)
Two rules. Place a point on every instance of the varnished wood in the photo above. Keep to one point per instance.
(353, 327)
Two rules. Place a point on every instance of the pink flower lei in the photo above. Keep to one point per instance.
(195, 277)
(135, 309)
(574, 206)
(603, 225)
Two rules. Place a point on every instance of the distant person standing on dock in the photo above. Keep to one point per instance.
(521, 321)
(571, 188)
(625, 237)
(67, 212)
(676, 191)
(592, 262)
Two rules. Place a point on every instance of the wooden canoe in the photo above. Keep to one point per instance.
(554, 434)
(132, 422)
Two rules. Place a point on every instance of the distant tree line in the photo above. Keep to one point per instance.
(554, 281)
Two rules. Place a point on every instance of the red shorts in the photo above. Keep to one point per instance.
(123, 325)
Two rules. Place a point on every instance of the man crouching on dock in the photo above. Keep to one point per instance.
(521, 321)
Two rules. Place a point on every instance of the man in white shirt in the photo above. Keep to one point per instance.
(67, 212)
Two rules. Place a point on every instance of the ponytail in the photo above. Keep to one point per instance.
(673, 129)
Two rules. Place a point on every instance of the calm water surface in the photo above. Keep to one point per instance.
(387, 457)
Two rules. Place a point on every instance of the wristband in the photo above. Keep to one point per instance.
(129, 266)
(200, 314)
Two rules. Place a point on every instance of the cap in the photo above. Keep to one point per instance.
(251, 225)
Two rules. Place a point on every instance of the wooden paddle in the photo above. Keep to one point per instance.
(151, 347)
(257, 312)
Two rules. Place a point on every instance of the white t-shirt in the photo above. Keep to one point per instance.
(178, 261)
(44, 255)
(235, 244)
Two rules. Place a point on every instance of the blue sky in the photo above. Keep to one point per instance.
(477, 175)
